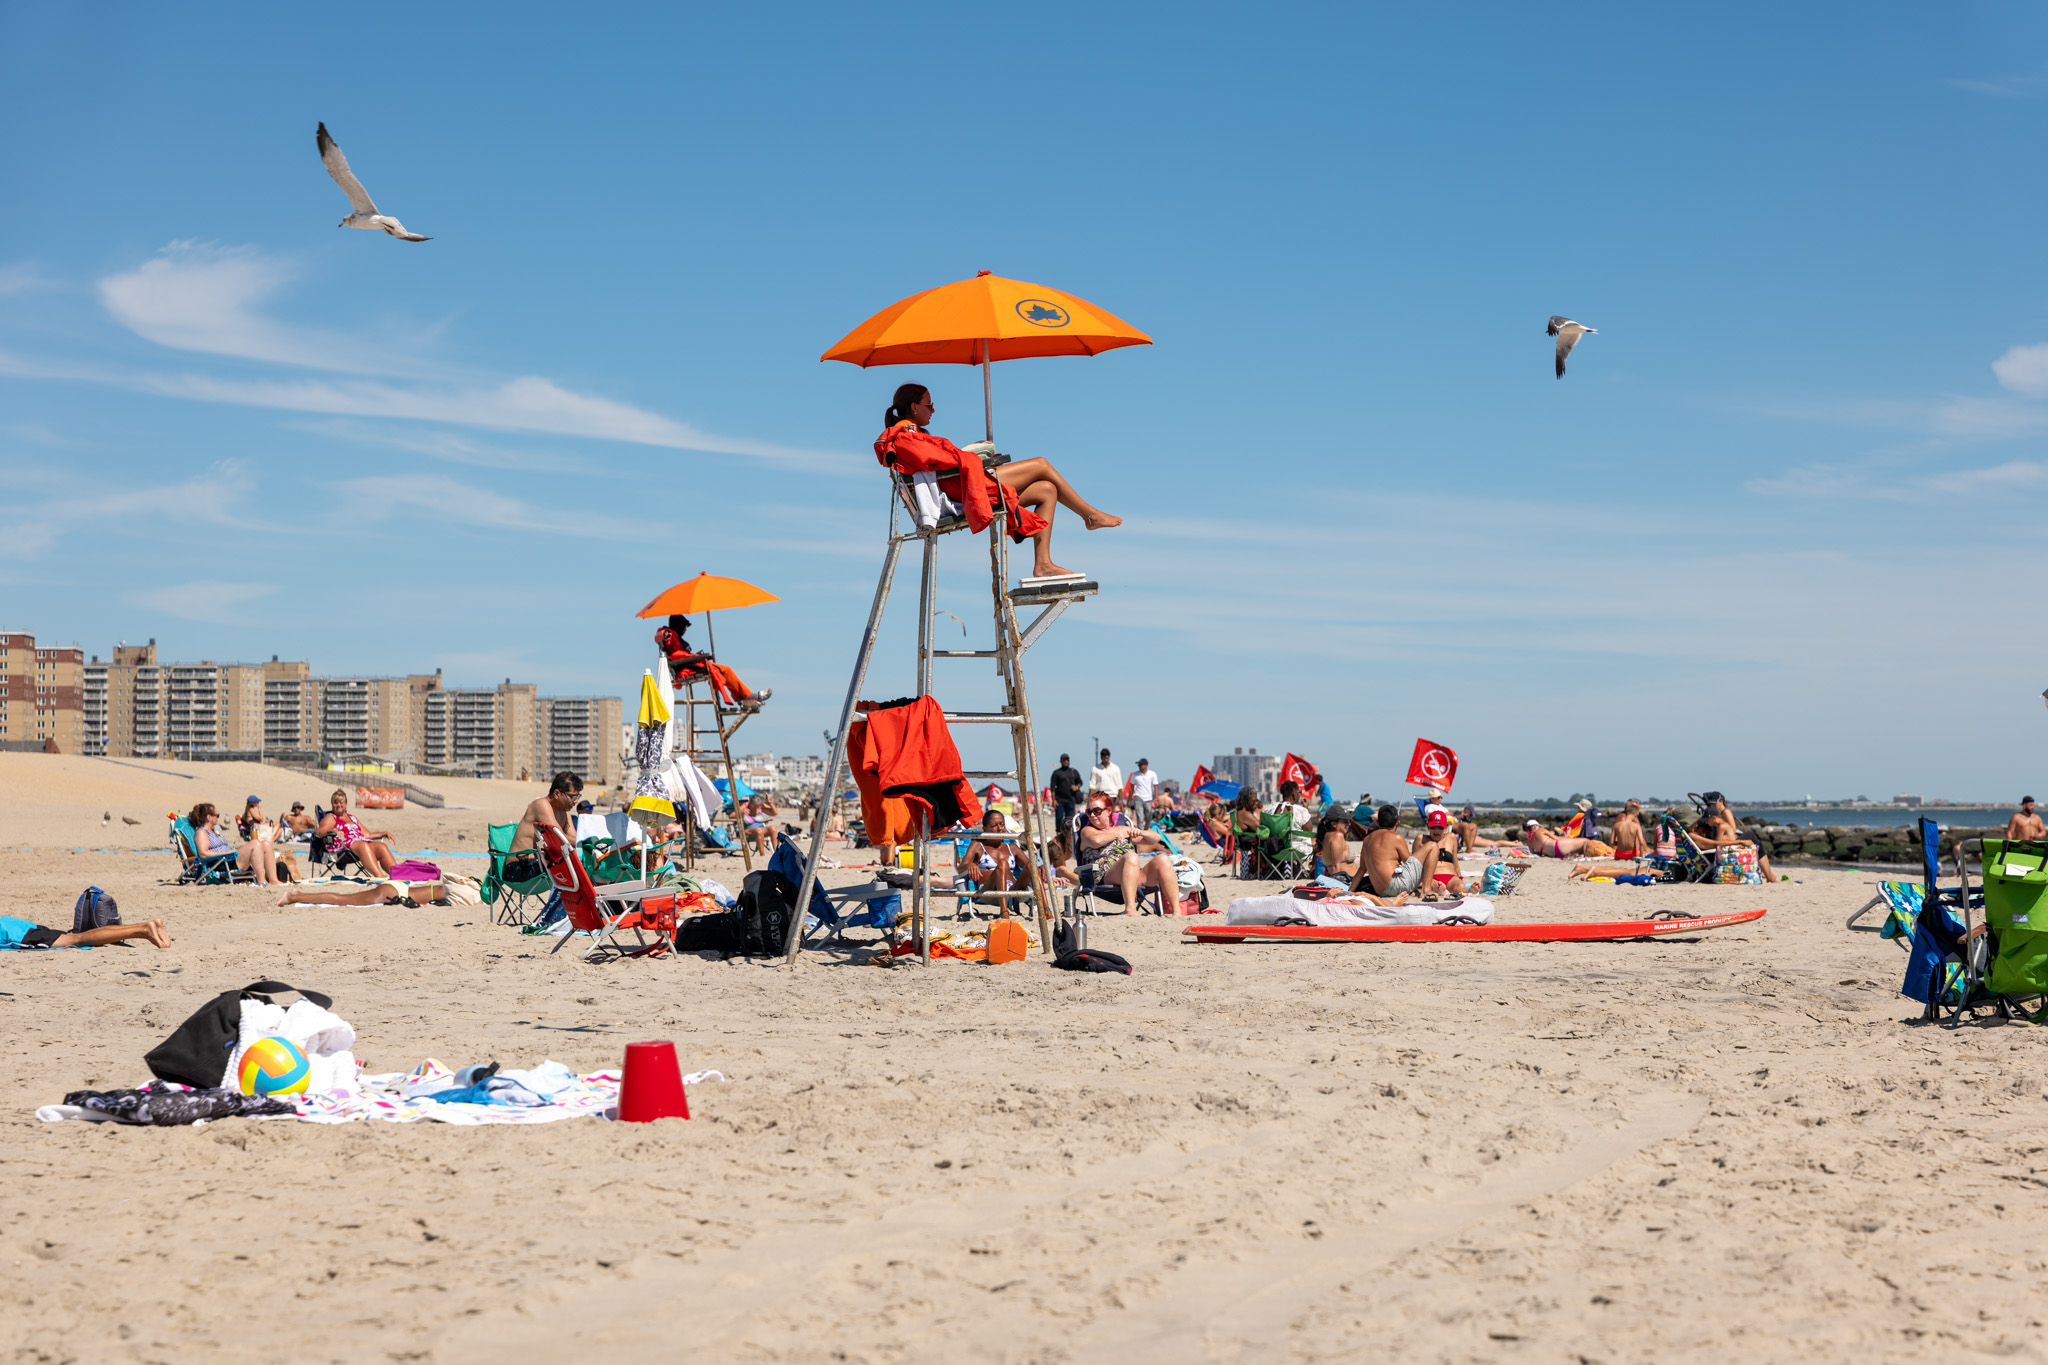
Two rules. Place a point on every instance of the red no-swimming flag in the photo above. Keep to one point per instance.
(1201, 779)
(1301, 772)
(1434, 765)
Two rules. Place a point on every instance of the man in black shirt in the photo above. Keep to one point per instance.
(1066, 791)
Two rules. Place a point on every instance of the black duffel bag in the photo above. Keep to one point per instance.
(197, 1052)
(766, 904)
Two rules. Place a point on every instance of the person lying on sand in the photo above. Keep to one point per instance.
(1548, 843)
(383, 893)
(1604, 870)
(905, 444)
(21, 933)
(1386, 865)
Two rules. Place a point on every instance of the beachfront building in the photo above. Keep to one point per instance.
(42, 695)
(493, 733)
(1249, 768)
(581, 735)
(799, 774)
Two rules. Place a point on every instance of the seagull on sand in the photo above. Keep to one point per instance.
(1565, 330)
(127, 821)
(106, 818)
(365, 215)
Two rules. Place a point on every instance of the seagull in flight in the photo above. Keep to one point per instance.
(365, 215)
(1565, 330)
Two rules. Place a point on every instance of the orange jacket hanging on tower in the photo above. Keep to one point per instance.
(908, 751)
(961, 477)
(886, 819)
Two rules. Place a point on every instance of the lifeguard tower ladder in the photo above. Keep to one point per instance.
(710, 748)
(916, 497)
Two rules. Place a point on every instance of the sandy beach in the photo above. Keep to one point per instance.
(1694, 1150)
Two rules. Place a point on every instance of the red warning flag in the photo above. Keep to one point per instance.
(1300, 771)
(1434, 765)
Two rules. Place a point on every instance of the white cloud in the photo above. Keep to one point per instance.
(2005, 87)
(204, 600)
(27, 529)
(449, 500)
(446, 445)
(2023, 369)
(197, 297)
(23, 277)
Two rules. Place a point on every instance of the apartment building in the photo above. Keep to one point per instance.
(1249, 768)
(580, 735)
(42, 694)
(492, 733)
(795, 774)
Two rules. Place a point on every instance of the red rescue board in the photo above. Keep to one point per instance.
(1568, 931)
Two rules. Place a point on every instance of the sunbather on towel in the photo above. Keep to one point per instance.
(1548, 843)
(1127, 856)
(1591, 870)
(383, 893)
(1387, 867)
(905, 444)
(21, 933)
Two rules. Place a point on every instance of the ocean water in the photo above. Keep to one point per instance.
(1975, 817)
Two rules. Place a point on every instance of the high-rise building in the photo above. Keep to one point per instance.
(492, 734)
(42, 694)
(1249, 768)
(580, 735)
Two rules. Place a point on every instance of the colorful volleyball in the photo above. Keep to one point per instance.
(274, 1066)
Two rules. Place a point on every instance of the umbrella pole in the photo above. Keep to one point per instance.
(988, 406)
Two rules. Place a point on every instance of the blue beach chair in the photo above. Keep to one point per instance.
(215, 869)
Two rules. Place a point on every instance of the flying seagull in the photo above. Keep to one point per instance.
(365, 215)
(1565, 330)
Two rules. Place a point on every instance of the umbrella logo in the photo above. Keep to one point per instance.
(1040, 313)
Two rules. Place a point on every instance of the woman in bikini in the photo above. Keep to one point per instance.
(1333, 846)
(1036, 484)
(758, 820)
(370, 847)
(1547, 843)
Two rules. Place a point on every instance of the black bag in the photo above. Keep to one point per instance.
(196, 1053)
(95, 910)
(767, 901)
(718, 933)
(1092, 960)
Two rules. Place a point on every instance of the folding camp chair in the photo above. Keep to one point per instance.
(1272, 856)
(215, 869)
(1901, 902)
(513, 900)
(327, 855)
(606, 915)
(1947, 955)
(1688, 862)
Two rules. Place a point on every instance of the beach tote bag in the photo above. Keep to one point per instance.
(1735, 865)
(197, 1052)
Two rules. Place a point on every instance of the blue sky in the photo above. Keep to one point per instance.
(1778, 531)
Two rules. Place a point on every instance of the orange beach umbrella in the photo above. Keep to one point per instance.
(706, 592)
(978, 321)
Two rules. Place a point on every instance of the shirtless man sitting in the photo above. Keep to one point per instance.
(557, 808)
(1386, 866)
(2024, 823)
(1716, 828)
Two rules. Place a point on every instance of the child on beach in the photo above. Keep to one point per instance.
(1031, 491)
(21, 933)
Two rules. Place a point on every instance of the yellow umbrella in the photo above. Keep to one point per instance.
(982, 320)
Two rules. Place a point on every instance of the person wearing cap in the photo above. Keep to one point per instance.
(298, 822)
(258, 830)
(2024, 823)
(1438, 835)
(1386, 865)
(1144, 785)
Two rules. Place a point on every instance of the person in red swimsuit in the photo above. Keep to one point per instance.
(905, 444)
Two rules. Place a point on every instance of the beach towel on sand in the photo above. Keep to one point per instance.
(1334, 911)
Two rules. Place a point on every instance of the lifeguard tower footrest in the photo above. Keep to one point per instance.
(1068, 588)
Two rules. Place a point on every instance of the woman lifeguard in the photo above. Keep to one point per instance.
(1031, 490)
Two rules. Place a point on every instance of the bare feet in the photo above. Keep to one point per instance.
(1096, 521)
(286, 898)
(156, 933)
(1048, 569)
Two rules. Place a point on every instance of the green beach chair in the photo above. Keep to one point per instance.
(2016, 909)
(512, 901)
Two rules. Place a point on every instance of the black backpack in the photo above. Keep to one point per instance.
(95, 910)
(196, 1053)
(716, 933)
(767, 902)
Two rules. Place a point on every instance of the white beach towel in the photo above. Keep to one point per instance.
(325, 1038)
(1342, 910)
(930, 503)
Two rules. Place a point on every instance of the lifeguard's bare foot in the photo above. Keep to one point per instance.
(1048, 569)
(1096, 521)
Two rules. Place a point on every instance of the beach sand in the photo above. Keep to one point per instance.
(1737, 1146)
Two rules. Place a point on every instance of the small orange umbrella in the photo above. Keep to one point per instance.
(706, 592)
(985, 319)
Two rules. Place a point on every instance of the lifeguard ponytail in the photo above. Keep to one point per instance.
(907, 396)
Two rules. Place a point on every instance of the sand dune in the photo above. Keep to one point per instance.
(1615, 1152)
